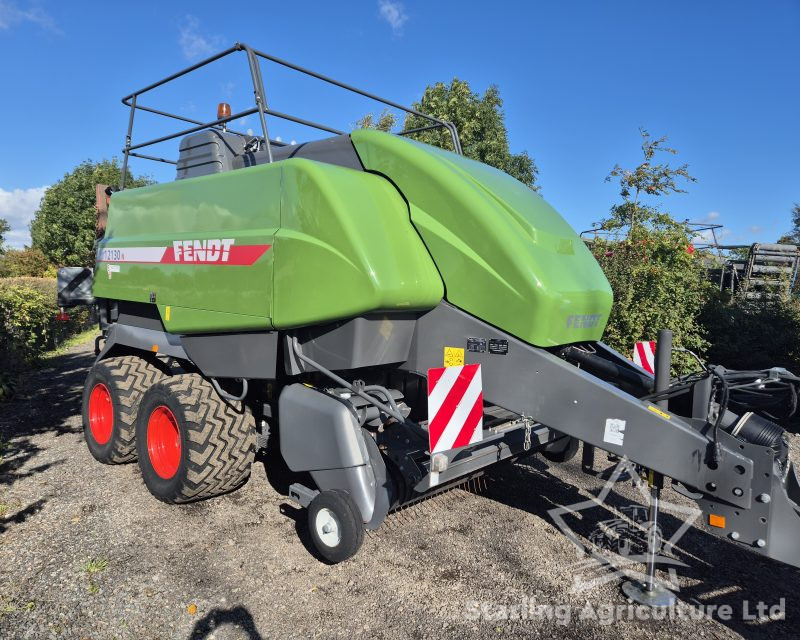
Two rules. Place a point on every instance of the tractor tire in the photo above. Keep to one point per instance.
(192, 445)
(111, 397)
(336, 527)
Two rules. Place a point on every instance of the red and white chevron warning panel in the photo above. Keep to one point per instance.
(455, 407)
(644, 354)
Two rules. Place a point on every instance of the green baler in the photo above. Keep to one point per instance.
(353, 243)
(390, 318)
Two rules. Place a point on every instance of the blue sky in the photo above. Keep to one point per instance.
(578, 79)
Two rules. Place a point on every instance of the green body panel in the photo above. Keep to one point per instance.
(505, 255)
(341, 245)
(243, 205)
(346, 247)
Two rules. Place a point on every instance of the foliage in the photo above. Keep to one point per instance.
(646, 179)
(25, 262)
(4, 229)
(793, 237)
(64, 226)
(28, 324)
(753, 334)
(386, 121)
(481, 127)
(8, 387)
(659, 280)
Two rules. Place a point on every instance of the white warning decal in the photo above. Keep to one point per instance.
(615, 431)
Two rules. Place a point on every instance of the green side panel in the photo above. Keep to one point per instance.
(346, 247)
(240, 206)
(505, 255)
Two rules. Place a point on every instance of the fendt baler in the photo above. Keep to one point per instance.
(392, 318)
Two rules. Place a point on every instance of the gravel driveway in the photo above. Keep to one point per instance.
(86, 552)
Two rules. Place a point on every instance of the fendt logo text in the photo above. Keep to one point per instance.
(202, 250)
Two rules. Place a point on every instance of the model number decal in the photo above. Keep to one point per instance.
(109, 255)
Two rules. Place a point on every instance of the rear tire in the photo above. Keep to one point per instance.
(111, 398)
(336, 526)
(191, 444)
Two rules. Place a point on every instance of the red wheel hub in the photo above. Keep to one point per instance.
(101, 413)
(164, 442)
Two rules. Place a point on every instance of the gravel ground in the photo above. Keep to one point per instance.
(86, 552)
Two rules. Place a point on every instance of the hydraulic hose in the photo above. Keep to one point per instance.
(609, 371)
(394, 412)
(756, 430)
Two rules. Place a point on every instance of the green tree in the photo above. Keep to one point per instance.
(481, 127)
(64, 226)
(386, 121)
(793, 237)
(24, 262)
(659, 280)
(646, 179)
(4, 229)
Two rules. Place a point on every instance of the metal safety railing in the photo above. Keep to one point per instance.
(261, 108)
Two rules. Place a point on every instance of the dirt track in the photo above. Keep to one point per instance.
(86, 552)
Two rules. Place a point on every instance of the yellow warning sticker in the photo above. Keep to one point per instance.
(168, 310)
(658, 411)
(453, 357)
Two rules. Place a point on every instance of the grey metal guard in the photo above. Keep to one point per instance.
(261, 108)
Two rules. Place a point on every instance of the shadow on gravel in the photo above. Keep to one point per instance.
(46, 400)
(725, 574)
(280, 477)
(22, 515)
(236, 617)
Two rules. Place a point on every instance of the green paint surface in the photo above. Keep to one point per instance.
(341, 245)
(505, 255)
(345, 243)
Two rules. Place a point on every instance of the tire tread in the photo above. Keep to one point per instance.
(222, 441)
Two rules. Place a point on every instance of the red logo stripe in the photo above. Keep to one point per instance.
(239, 255)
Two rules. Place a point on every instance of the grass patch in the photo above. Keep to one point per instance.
(95, 565)
(79, 338)
(10, 604)
(92, 567)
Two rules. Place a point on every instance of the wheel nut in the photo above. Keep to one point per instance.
(761, 543)
(734, 535)
(738, 492)
(764, 497)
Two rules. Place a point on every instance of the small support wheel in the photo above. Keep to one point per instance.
(336, 526)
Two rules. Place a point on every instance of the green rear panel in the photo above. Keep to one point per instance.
(241, 205)
(505, 255)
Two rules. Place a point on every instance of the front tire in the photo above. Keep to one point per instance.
(111, 398)
(336, 526)
(191, 444)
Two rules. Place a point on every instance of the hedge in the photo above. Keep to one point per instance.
(28, 322)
